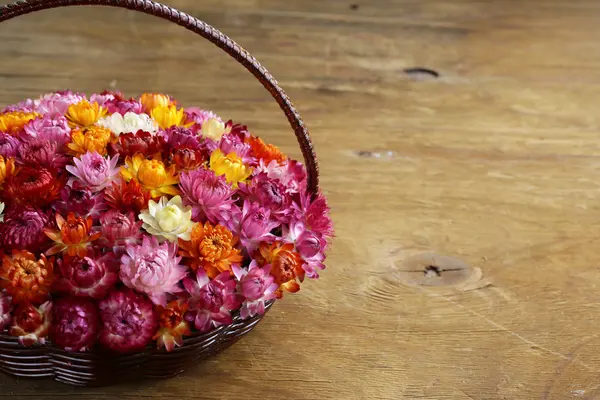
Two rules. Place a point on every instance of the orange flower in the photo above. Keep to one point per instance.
(14, 122)
(211, 248)
(84, 114)
(286, 265)
(168, 116)
(95, 138)
(26, 278)
(171, 325)
(73, 235)
(7, 168)
(266, 152)
(151, 174)
(126, 196)
(152, 100)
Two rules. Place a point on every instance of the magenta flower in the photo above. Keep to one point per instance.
(291, 174)
(80, 200)
(257, 286)
(120, 230)
(199, 116)
(314, 214)
(252, 224)
(75, 324)
(94, 171)
(56, 104)
(128, 321)
(27, 105)
(269, 193)
(233, 144)
(208, 194)
(9, 145)
(6, 309)
(310, 245)
(152, 268)
(43, 153)
(23, 229)
(105, 97)
(180, 136)
(211, 301)
(87, 276)
(31, 324)
(51, 129)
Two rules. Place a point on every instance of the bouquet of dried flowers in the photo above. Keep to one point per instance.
(128, 221)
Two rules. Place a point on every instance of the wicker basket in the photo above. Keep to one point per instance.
(100, 368)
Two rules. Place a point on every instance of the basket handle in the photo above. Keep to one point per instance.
(193, 24)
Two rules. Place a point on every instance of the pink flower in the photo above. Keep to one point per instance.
(23, 229)
(128, 321)
(233, 144)
(115, 103)
(211, 301)
(75, 324)
(256, 285)
(6, 309)
(80, 200)
(27, 105)
(94, 171)
(120, 230)
(42, 152)
(9, 145)
(87, 276)
(208, 194)
(269, 193)
(310, 245)
(31, 324)
(199, 116)
(56, 104)
(314, 214)
(291, 174)
(252, 224)
(152, 268)
(105, 97)
(180, 136)
(53, 129)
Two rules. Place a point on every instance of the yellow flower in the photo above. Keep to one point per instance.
(168, 116)
(151, 174)
(168, 219)
(96, 138)
(7, 168)
(231, 166)
(13, 122)
(84, 114)
(152, 100)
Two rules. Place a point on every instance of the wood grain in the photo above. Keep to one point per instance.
(492, 165)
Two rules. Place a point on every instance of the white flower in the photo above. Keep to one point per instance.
(1, 211)
(213, 128)
(130, 122)
(168, 219)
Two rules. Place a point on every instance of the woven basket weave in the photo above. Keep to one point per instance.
(98, 367)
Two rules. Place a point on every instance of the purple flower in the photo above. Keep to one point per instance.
(6, 308)
(120, 230)
(211, 301)
(80, 200)
(269, 193)
(75, 324)
(152, 268)
(252, 224)
(256, 285)
(208, 194)
(128, 321)
(23, 229)
(52, 129)
(42, 152)
(94, 171)
(9, 145)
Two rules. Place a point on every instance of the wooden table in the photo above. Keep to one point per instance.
(466, 198)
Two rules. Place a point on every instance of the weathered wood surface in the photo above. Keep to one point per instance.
(495, 164)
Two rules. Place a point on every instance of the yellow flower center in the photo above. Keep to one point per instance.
(168, 116)
(84, 114)
(231, 166)
(13, 122)
(169, 218)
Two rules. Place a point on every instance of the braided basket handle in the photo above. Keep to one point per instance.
(193, 24)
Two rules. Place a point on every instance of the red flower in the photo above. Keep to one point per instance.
(142, 142)
(31, 324)
(187, 158)
(34, 186)
(75, 324)
(127, 196)
(88, 276)
(286, 265)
